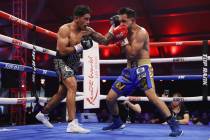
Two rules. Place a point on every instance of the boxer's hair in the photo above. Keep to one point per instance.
(129, 12)
(81, 10)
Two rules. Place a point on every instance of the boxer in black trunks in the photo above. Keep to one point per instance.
(72, 39)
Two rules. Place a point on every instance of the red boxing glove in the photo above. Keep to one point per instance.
(122, 43)
(120, 32)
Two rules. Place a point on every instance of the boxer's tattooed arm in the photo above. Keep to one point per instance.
(98, 37)
(102, 39)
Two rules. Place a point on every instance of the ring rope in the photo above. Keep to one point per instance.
(26, 45)
(47, 72)
(123, 61)
(26, 24)
(81, 77)
(102, 97)
(27, 69)
(156, 60)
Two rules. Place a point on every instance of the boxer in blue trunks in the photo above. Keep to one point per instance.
(133, 77)
(137, 74)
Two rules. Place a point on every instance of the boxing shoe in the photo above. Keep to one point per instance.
(44, 119)
(74, 127)
(116, 124)
(175, 129)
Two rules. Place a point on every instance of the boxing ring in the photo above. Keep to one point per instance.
(132, 131)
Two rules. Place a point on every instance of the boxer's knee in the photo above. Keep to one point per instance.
(62, 91)
(112, 96)
(70, 84)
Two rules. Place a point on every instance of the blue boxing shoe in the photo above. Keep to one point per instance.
(116, 124)
(175, 129)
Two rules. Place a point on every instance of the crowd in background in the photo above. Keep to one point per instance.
(130, 112)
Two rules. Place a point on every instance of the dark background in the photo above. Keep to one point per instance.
(179, 20)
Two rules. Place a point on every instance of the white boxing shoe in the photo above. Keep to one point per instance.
(44, 119)
(74, 127)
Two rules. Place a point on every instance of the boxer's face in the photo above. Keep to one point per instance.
(83, 21)
(126, 21)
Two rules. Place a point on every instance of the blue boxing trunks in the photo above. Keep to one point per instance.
(139, 75)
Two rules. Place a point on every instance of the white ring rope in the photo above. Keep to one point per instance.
(122, 61)
(26, 45)
(156, 60)
(50, 52)
(102, 97)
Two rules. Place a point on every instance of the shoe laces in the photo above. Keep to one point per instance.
(46, 116)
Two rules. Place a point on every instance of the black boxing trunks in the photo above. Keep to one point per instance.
(66, 66)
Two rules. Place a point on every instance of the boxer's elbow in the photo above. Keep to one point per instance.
(104, 41)
(62, 51)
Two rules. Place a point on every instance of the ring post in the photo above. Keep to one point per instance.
(34, 67)
(205, 70)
